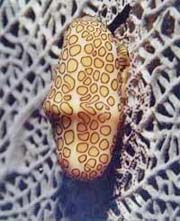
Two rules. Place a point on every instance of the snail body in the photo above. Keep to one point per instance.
(84, 101)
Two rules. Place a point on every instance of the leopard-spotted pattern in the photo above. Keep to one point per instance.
(83, 101)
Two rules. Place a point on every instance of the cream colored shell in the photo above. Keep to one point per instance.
(83, 102)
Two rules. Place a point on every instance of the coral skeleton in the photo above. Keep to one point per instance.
(142, 182)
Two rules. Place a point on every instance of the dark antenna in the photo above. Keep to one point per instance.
(120, 18)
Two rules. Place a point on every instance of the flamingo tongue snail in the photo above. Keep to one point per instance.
(85, 99)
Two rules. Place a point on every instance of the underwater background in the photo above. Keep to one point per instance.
(143, 179)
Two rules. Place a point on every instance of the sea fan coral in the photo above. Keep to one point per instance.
(151, 145)
(145, 183)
